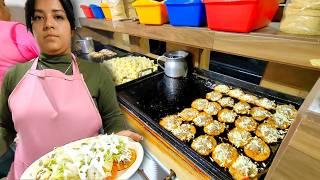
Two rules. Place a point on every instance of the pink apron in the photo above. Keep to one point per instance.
(50, 109)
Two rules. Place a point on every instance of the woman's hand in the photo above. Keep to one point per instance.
(130, 134)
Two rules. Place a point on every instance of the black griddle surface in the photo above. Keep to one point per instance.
(157, 96)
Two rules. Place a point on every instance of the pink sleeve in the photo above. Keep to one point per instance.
(25, 42)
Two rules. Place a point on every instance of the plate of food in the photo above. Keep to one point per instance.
(100, 157)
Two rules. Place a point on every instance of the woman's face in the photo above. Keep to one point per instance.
(51, 27)
(4, 12)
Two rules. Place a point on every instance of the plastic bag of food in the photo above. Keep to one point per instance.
(302, 17)
(117, 9)
(311, 4)
(130, 10)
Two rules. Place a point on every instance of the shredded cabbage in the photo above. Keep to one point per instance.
(91, 160)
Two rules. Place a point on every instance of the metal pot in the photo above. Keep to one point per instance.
(175, 65)
(86, 45)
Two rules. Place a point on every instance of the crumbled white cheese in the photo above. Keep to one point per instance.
(223, 153)
(184, 132)
(266, 103)
(203, 144)
(214, 96)
(239, 137)
(226, 102)
(228, 116)
(257, 145)
(202, 119)
(249, 98)
(247, 123)
(283, 133)
(212, 108)
(288, 110)
(241, 107)
(281, 120)
(235, 93)
(259, 113)
(269, 134)
(200, 104)
(264, 165)
(245, 167)
(189, 113)
(214, 128)
(222, 88)
(171, 122)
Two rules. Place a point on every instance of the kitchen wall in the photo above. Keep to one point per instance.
(17, 8)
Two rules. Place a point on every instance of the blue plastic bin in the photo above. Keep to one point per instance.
(97, 11)
(186, 12)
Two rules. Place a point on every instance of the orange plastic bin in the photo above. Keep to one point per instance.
(151, 12)
(106, 11)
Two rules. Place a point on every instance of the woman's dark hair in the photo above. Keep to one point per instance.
(67, 6)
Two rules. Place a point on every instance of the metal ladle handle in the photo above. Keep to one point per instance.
(140, 74)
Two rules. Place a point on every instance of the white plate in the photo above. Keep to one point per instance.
(124, 174)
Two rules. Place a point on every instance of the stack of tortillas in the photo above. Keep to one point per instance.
(302, 17)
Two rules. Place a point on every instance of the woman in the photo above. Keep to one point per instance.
(18, 45)
(46, 101)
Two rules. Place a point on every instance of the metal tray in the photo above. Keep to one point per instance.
(120, 53)
(157, 96)
(159, 70)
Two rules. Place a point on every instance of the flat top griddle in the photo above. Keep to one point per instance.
(157, 96)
